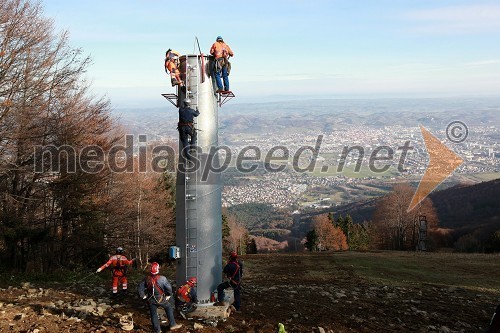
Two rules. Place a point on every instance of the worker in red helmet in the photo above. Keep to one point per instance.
(119, 266)
(234, 273)
(172, 67)
(186, 297)
(157, 290)
(222, 52)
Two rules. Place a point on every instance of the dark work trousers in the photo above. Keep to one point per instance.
(153, 311)
(185, 133)
(237, 293)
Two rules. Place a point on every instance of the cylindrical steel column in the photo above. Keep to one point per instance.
(198, 193)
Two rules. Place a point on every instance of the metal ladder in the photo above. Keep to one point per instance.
(190, 183)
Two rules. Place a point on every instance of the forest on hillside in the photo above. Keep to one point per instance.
(70, 191)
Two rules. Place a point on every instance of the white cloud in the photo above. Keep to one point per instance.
(457, 19)
(483, 63)
(284, 77)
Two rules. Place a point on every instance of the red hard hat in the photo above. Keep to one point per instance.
(233, 255)
(155, 268)
(192, 281)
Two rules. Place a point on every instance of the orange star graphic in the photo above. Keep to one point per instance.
(442, 163)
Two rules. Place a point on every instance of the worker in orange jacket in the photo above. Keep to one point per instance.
(221, 51)
(119, 264)
(186, 297)
(171, 67)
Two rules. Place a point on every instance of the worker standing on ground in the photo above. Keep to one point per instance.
(119, 264)
(234, 273)
(221, 51)
(156, 289)
(186, 297)
(172, 67)
(185, 126)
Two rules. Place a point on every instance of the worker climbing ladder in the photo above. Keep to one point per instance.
(198, 227)
(191, 180)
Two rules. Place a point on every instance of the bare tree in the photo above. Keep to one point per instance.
(238, 235)
(396, 227)
(141, 213)
(51, 205)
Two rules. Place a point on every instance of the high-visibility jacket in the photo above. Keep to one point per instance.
(187, 294)
(118, 263)
(221, 50)
(171, 67)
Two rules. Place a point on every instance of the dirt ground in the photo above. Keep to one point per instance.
(305, 292)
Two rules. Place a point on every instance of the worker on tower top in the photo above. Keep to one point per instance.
(222, 52)
(172, 67)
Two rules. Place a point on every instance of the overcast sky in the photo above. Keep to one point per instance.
(292, 49)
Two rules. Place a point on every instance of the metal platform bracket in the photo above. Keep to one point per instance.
(224, 97)
(172, 98)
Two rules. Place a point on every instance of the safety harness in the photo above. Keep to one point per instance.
(152, 285)
(236, 271)
(120, 267)
(220, 63)
(184, 124)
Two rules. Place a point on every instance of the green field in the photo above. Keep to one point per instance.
(478, 272)
(350, 172)
(482, 177)
(469, 271)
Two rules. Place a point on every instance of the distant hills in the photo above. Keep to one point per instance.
(468, 206)
(462, 208)
(322, 115)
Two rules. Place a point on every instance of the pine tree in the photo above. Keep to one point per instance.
(311, 240)
(252, 246)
